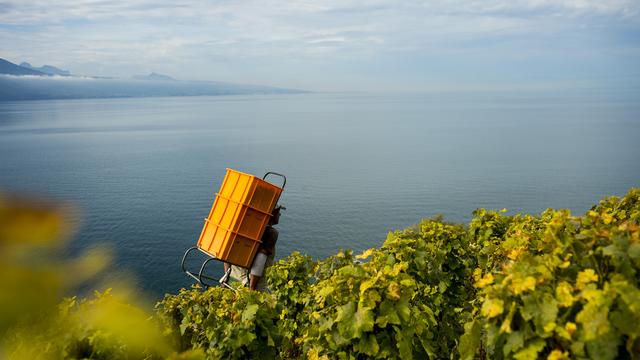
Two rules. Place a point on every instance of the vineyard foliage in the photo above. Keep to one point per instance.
(551, 286)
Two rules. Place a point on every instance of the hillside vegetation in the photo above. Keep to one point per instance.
(554, 286)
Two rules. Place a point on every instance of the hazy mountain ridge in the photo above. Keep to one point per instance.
(27, 83)
(47, 69)
(154, 76)
(9, 68)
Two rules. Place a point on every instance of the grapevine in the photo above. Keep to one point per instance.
(552, 286)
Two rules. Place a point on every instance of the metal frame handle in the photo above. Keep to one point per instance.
(200, 277)
(284, 178)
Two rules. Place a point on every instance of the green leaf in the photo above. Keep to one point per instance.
(368, 345)
(605, 347)
(183, 328)
(353, 326)
(362, 321)
(404, 345)
(577, 349)
(243, 338)
(326, 290)
(594, 317)
(249, 312)
(634, 253)
(531, 351)
(325, 323)
(387, 314)
(403, 309)
(611, 250)
(345, 312)
(547, 313)
(470, 341)
(514, 342)
(530, 308)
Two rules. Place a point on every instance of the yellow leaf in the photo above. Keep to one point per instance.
(366, 254)
(506, 324)
(367, 284)
(515, 253)
(520, 285)
(24, 221)
(492, 307)
(477, 274)
(393, 291)
(558, 355)
(549, 327)
(484, 281)
(592, 294)
(563, 294)
(314, 354)
(585, 277)
(398, 268)
(570, 327)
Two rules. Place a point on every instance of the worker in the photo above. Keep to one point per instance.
(254, 277)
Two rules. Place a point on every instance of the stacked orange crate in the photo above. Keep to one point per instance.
(238, 217)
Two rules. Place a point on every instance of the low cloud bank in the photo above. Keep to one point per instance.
(61, 87)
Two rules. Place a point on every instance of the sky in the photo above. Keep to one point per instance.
(337, 45)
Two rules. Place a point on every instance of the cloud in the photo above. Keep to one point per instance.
(48, 78)
(40, 12)
(257, 38)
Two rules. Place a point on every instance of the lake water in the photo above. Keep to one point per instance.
(144, 171)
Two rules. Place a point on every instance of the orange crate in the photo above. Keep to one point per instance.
(228, 246)
(238, 217)
(249, 190)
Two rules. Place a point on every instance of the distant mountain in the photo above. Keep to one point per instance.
(67, 86)
(47, 69)
(9, 68)
(154, 76)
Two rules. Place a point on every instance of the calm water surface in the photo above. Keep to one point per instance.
(144, 171)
